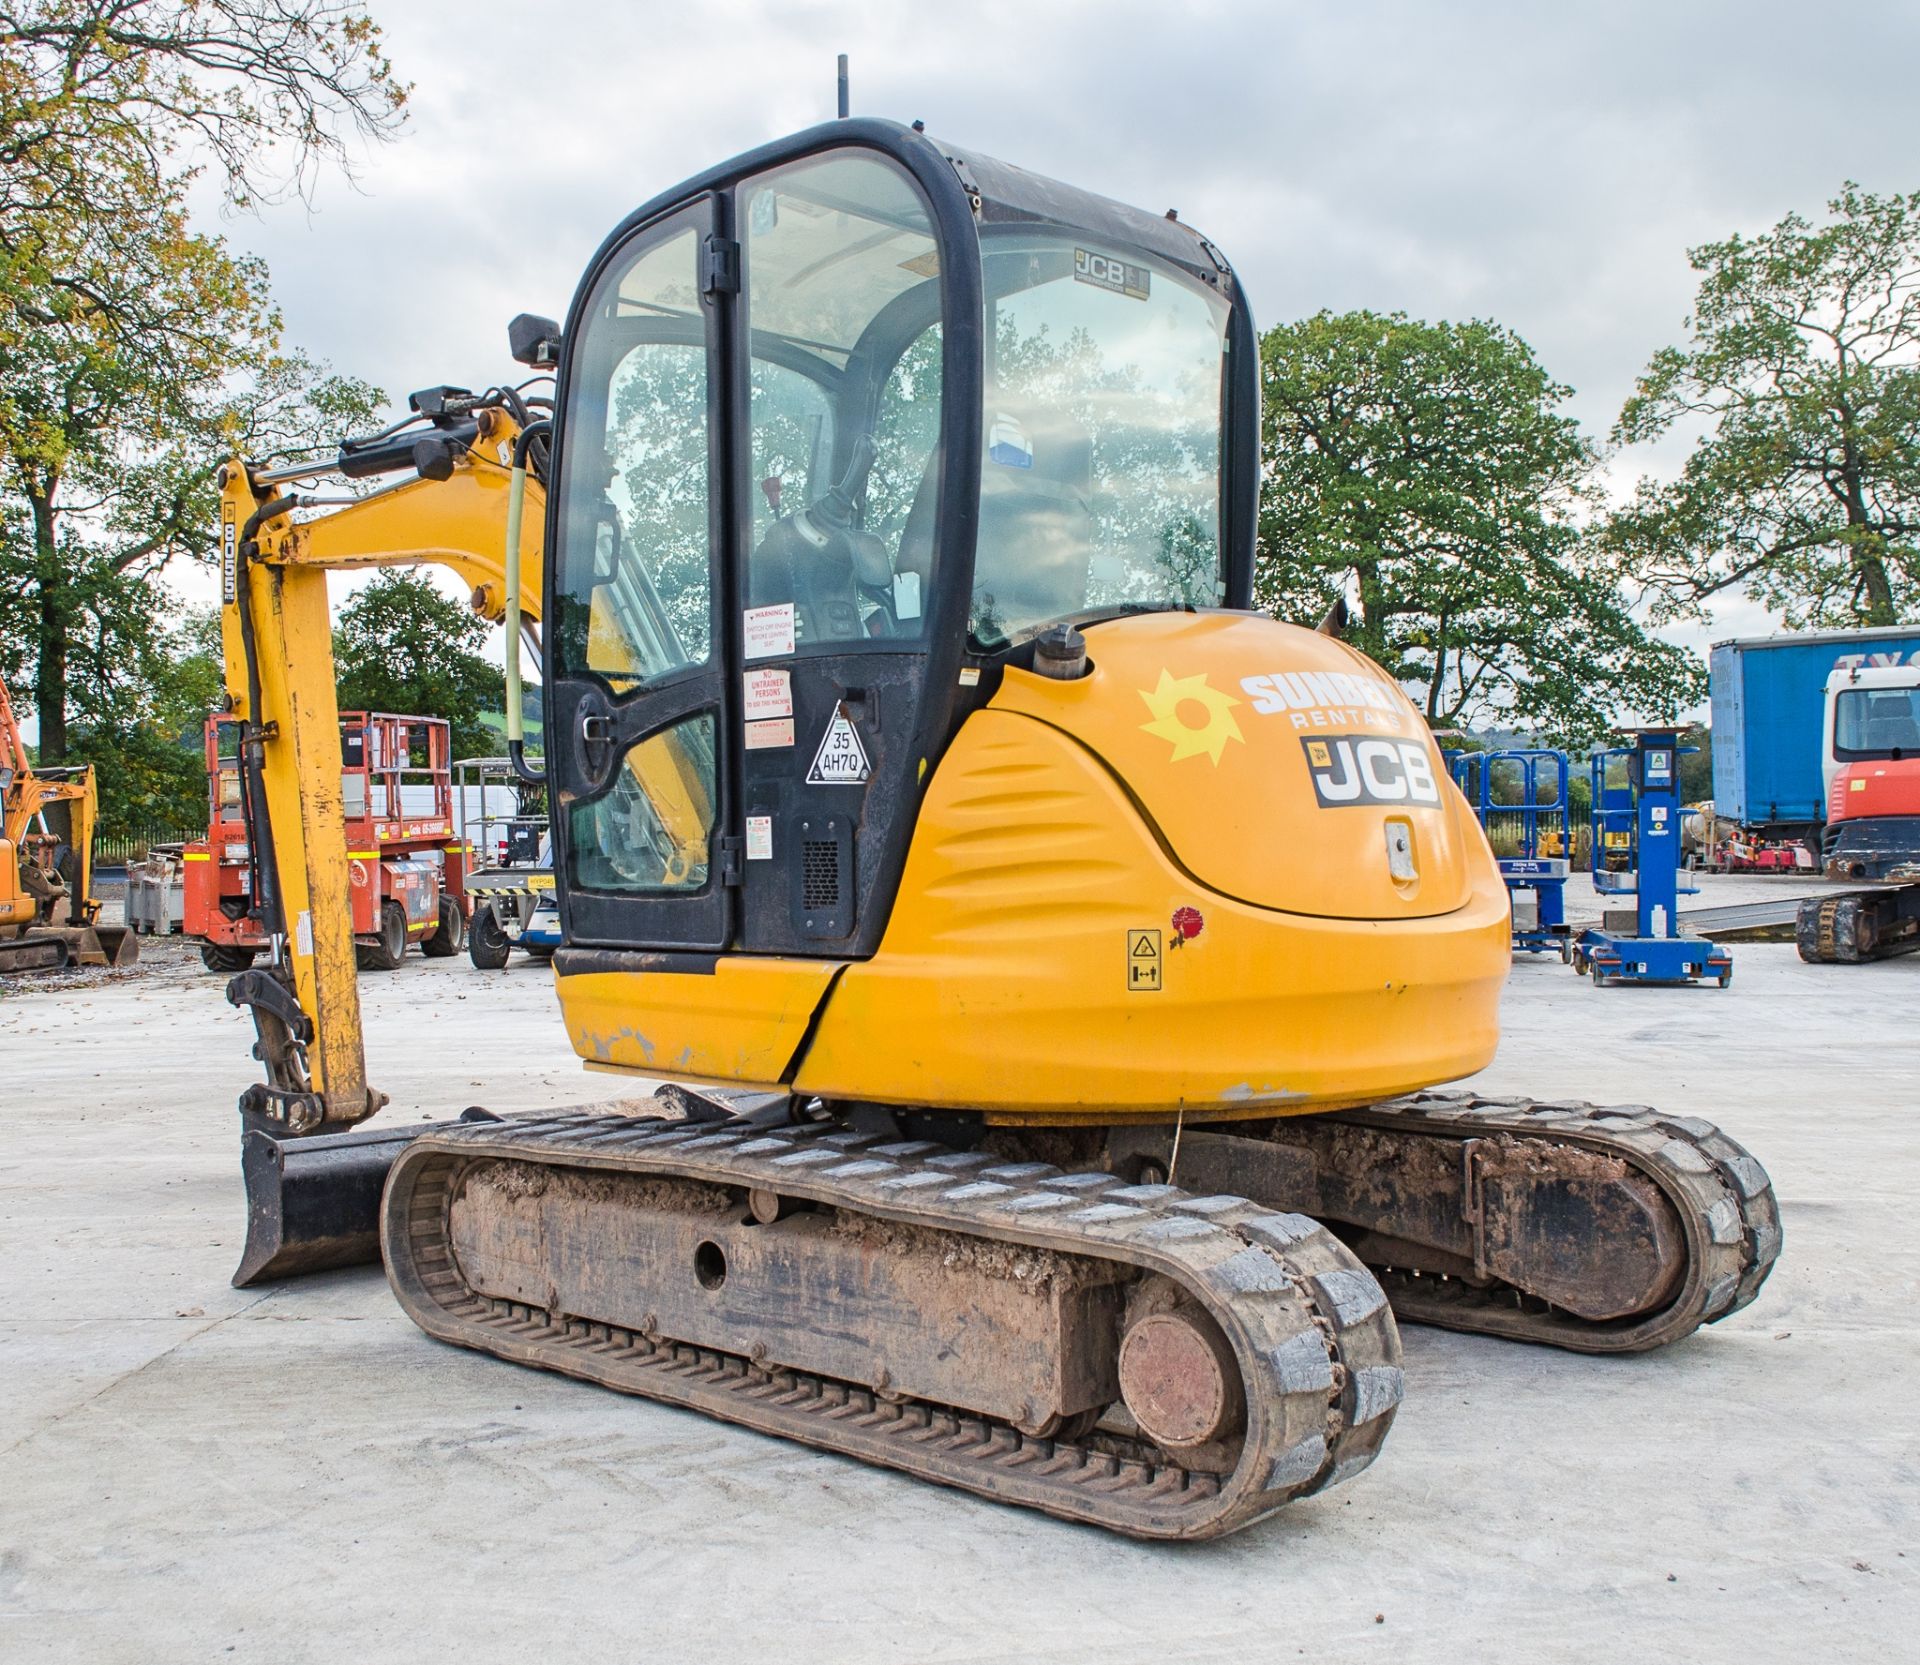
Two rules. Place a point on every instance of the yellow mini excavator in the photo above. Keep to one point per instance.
(49, 917)
(1040, 945)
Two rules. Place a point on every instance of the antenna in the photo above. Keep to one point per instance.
(845, 105)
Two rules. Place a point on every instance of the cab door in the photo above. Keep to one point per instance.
(640, 711)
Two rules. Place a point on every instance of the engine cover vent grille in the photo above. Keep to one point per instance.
(822, 879)
(819, 875)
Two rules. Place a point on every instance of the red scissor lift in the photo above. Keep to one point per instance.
(406, 861)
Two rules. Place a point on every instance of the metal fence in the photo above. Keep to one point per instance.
(117, 849)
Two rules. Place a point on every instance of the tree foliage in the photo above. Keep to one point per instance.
(1803, 370)
(112, 93)
(401, 646)
(145, 742)
(1425, 473)
(134, 351)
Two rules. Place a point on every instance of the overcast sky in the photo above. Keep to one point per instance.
(1542, 165)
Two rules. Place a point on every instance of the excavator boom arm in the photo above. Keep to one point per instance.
(276, 636)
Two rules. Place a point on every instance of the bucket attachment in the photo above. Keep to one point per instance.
(314, 1203)
(116, 945)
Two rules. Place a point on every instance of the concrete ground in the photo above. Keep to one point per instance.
(192, 1472)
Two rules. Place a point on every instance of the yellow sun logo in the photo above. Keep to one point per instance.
(1210, 735)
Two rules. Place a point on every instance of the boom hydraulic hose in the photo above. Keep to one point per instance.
(263, 868)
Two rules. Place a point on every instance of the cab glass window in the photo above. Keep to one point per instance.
(1100, 479)
(633, 591)
(634, 596)
(651, 832)
(843, 305)
(1876, 722)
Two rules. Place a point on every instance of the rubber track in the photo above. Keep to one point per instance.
(1828, 933)
(1723, 1196)
(1858, 927)
(20, 954)
(1316, 1342)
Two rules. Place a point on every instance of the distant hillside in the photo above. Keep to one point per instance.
(533, 702)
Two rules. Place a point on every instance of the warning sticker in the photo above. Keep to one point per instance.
(759, 838)
(769, 630)
(1143, 961)
(769, 693)
(841, 759)
(777, 731)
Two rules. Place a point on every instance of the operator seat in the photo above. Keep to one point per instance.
(1036, 520)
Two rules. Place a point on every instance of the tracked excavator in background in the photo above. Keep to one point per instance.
(49, 916)
(1047, 954)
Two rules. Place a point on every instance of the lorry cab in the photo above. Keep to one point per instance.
(1870, 759)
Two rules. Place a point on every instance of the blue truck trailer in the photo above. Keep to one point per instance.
(1768, 699)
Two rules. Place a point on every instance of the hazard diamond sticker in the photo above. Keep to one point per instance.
(1143, 962)
(841, 759)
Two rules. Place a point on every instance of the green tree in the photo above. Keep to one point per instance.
(135, 352)
(1801, 380)
(1426, 473)
(100, 98)
(401, 646)
(147, 742)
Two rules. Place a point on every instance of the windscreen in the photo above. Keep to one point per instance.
(1877, 722)
(1100, 479)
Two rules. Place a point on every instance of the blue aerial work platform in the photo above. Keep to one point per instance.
(1636, 852)
(1520, 798)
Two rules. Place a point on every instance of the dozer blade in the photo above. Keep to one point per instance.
(314, 1204)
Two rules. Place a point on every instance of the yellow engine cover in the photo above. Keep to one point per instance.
(1270, 759)
(1224, 873)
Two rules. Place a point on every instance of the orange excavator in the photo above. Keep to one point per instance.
(49, 916)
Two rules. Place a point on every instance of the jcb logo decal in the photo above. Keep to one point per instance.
(1105, 272)
(1367, 769)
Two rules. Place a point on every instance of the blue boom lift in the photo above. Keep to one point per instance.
(1636, 852)
(1520, 798)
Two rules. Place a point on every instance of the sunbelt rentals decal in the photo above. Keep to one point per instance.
(1329, 699)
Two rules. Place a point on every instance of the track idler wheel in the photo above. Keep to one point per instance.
(1178, 1378)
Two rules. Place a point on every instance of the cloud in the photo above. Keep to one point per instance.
(1545, 166)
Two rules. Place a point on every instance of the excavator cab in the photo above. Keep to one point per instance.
(846, 425)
